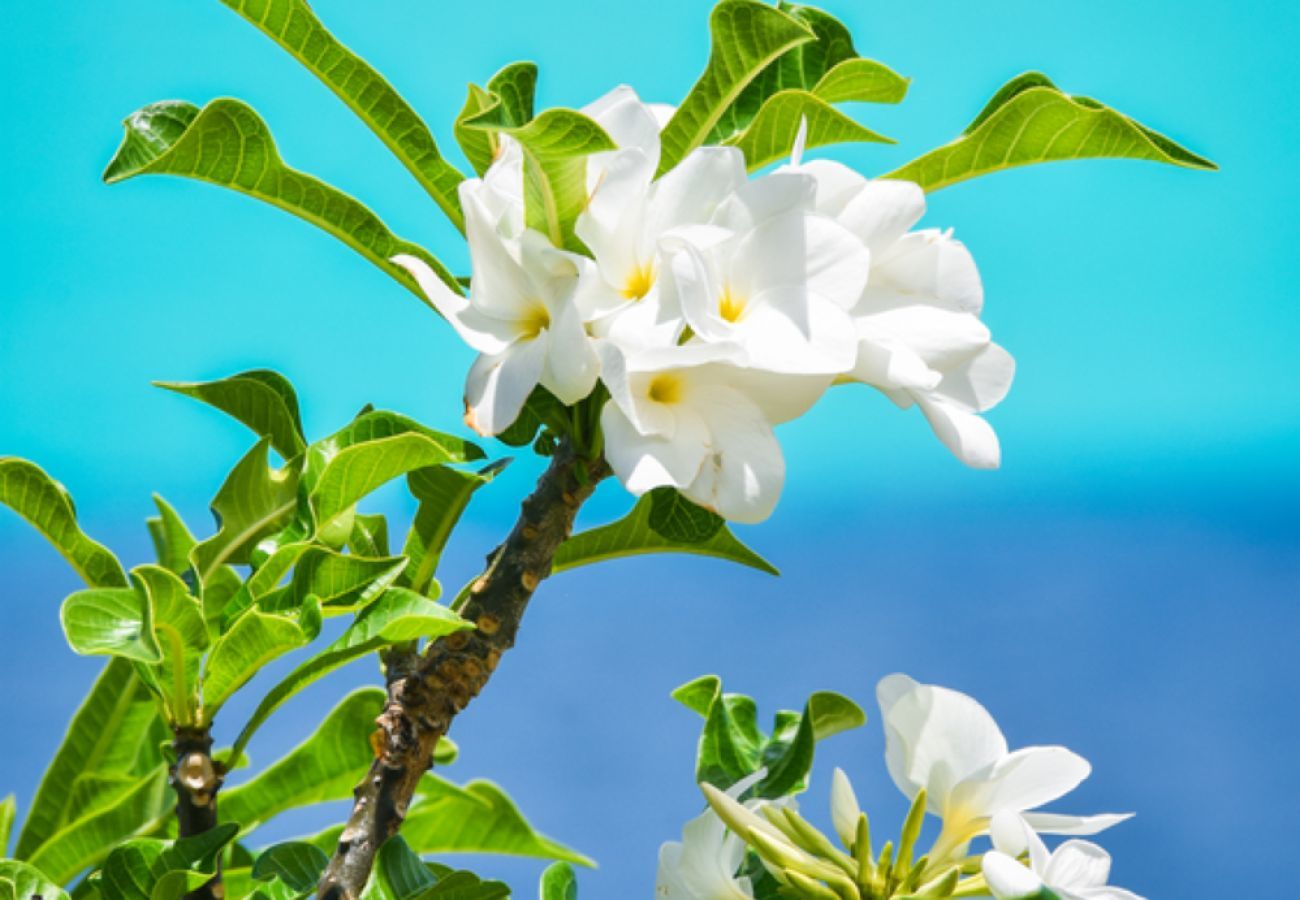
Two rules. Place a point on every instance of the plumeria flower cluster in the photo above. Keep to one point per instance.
(713, 306)
(948, 756)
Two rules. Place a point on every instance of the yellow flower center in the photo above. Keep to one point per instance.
(731, 307)
(638, 284)
(535, 320)
(665, 389)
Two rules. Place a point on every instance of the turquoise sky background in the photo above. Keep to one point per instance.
(1127, 584)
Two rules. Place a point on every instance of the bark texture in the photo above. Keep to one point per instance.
(196, 778)
(425, 692)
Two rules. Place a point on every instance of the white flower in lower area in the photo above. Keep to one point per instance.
(689, 417)
(920, 340)
(703, 865)
(1076, 870)
(520, 316)
(947, 743)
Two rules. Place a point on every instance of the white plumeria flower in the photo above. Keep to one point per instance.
(947, 743)
(703, 865)
(520, 314)
(689, 417)
(920, 340)
(1076, 870)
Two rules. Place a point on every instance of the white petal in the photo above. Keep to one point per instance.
(837, 184)
(768, 195)
(1025, 779)
(805, 250)
(1107, 893)
(1076, 865)
(1055, 823)
(500, 287)
(891, 365)
(882, 212)
(1008, 879)
(742, 476)
(643, 462)
(483, 333)
(627, 391)
(781, 397)
(981, 382)
(571, 362)
(690, 193)
(787, 330)
(935, 737)
(612, 223)
(845, 811)
(628, 121)
(928, 266)
(1012, 835)
(497, 386)
(970, 438)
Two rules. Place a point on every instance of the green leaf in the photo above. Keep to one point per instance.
(542, 409)
(293, 25)
(1029, 120)
(172, 540)
(227, 144)
(261, 399)
(339, 581)
(747, 36)
(8, 810)
(398, 873)
(254, 640)
(324, 767)
(443, 494)
(107, 734)
(43, 502)
(86, 840)
(19, 881)
(732, 746)
(464, 886)
(369, 535)
(111, 622)
(676, 518)
(181, 634)
(478, 818)
(772, 134)
(152, 869)
(632, 536)
(513, 88)
(863, 81)
(255, 501)
(559, 882)
(555, 145)
(399, 615)
(297, 864)
(374, 449)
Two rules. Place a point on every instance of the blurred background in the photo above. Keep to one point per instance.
(1126, 584)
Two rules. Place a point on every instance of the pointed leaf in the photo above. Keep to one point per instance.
(632, 536)
(296, 864)
(153, 869)
(339, 581)
(399, 615)
(772, 134)
(106, 735)
(788, 755)
(747, 36)
(1030, 120)
(172, 540)
(19, 881)
(8, 810)
(227, 144)
(559, 882)
(293, 25)
(254, 502)
(254, 640)
(398, 874)
(513, 88)
(478, 818)
(43, 502)
(369, 535)
(324, 767)
(443, 494)
(862, 81)
(261, 399)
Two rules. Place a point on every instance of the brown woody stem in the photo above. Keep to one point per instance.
(425, 692)
(196, 778)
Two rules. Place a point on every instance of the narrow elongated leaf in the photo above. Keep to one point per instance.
(1030, 120)
(19, 881)
(172, 540)
(87, 840)
(632, 536)
(476, 818)
(399, 615)
(111, 622)
(254, 640)
(8, 811)
(263, 400)
(297, 864)
(556, 145)
(255, 501)
(443, 493)
(559, 882)
(293, 25)
(153, 869)
(771, 135)
(227, 144)
(513, 88)
(43, 502)
(324, 767)
(747, 36)
(732, 746)
(181, 634)
(106, 735)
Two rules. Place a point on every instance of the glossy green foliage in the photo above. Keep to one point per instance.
(443, 494)
(512, 89)
(559, 882)
(732, 746)
(635, 534)
(19, 881)
(227, 144)
(293, 25)
(1030, 120)
(265, 401)
(153, 869)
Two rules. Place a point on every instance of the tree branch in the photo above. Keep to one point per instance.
(425, 692)
(197, 778)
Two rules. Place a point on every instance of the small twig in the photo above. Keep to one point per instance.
(425, 692)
